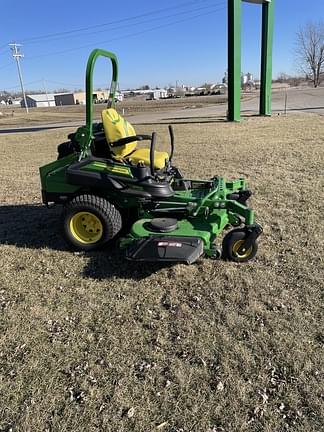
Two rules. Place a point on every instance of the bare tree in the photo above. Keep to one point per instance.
(310, 51)
(282, 77)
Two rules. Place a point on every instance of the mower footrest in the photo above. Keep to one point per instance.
(168, 249)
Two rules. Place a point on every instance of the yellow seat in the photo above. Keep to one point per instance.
(143, 155)
(116, 127)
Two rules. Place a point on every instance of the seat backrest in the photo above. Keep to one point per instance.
(116, 127)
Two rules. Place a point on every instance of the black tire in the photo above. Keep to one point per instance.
(89, 222)
(232, 242)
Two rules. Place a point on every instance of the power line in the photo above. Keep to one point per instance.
(25, 84)
(126, 25)
(156, 11)
(65, 84)
(129, 35)
(68, 85)
(6, 66)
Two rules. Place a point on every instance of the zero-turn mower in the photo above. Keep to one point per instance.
(107, 185)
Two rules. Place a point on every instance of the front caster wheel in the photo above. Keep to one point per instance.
(231, 247)
(89, 222)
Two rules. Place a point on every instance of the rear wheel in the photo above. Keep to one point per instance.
(89, 222)
(232, 243)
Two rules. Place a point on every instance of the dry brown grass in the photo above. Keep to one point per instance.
(90, 342)
(16, 116)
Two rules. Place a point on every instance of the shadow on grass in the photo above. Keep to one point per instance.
(110, 263)
(37, 227)
(31, 225)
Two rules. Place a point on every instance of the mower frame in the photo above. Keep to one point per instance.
(107, 188)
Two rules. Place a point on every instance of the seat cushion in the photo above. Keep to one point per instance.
(143, 155)
(116, 127)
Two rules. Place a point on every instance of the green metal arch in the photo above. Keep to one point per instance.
(234, 57)
(89, 82)
(84, 134)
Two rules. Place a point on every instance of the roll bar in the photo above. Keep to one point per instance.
(84, 134)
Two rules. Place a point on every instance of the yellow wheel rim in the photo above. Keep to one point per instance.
(236, 247)
(86, 227)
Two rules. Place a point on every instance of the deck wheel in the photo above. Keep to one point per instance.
(231, 247)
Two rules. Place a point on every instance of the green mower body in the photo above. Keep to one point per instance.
(167, 217)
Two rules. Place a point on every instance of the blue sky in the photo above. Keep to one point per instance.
(169, 41)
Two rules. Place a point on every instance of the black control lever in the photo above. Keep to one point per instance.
(152, 150)
(172, 141)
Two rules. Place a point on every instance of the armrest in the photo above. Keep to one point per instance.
(127, 140)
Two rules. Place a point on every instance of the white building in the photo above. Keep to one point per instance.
(157, 94)
(39, 100)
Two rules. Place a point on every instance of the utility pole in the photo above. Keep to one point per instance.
(16, 54)
(45, 90)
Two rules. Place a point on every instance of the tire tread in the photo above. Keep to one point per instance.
(108, 212)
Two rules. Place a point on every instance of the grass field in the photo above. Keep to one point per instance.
(12, 116)
(90, 342)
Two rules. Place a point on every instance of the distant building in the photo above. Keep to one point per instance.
(64, 99)
(157, 94)
(16, 101)
(39, 100)
(60, 99)
(247, 81)
(79, 98)
(150, 94)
